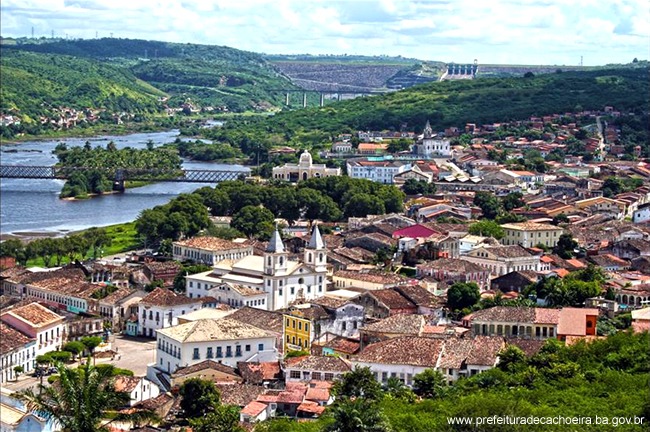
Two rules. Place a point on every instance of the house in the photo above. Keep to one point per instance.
(161, 271)
(630, 249)
(427, 302)
(210, 250)
(384, 303)
(641, 320)
(381, 171)
(225, 340)
(400, 358)
(333, 345)
(139, 388)
(344, 318)
(14, 418)
(428, 146)
(318, 368)
(531, 234)
(260, 373)
(161, 309)
(269, 321)
(300, 322)
(603, 205)
(453, 270)
(503, 259)
(118, 306)
(209, 284)
(610, 262)
(303, 170)
(394, 326)
(283, 280)
(514, 281)
(642, 213)
(368, 281)
(207, 370)
(16, 349)
(37, 322)
(469, 356)
(634, 297)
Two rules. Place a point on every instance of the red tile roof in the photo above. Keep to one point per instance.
(415, 231)
(254, 408)
(166, 297)
(415, 351)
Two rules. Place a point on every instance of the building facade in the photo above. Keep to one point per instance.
(530, 234)
(303, 170)
(210, 250)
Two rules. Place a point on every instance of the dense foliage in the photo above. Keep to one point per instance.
(608, 378)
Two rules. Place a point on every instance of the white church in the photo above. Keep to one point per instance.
(273, 281)
(303, 170)
(429, 147)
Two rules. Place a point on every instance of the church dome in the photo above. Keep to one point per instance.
(305, 159)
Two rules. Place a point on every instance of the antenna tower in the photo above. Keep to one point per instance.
(580, 61)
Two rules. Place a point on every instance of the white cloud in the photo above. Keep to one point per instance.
(514, 31)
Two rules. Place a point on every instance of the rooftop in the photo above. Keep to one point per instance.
(375, 277)
(392, 299)
(166, 297)
(267, 320)
(201, 366)
(530, 226)
(415, 351)
(10, 339)
(405, 324)
(213, 330)
(318, 363)
(35, 315)
(212, 243)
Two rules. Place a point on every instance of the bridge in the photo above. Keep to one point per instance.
(325, 94)
(121, 175)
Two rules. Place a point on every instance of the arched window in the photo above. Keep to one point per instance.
(301, 281)
(320, 257)
(281, 260)
(309, 257)
(268, 261)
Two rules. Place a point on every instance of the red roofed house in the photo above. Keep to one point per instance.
(39, 323)
(416, 231)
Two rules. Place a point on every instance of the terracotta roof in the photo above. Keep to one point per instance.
(267, 320)
(374, 277)
(10, 338)
(253, 408)
(156, 266)
(392, 299)
(415, 351)
(257, 373)
(329, 302)
(453, 265)
(155, 403)
(294, 397)
(530, 226)
(118, 295)
(318, 394)
(239, 394)
(455, 353)
(516, 315)
(509, 251)
(213, 330)
(211, 243)
(166, 297)
(311, 408)
(485, 350)
(530, 347)
(35, 314)
(344, 345)
(405, 324)
(125, 383)
(318, 363)
(201, 366)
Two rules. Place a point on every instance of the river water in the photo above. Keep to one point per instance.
(28, 206)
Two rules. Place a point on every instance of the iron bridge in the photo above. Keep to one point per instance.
(123, 174)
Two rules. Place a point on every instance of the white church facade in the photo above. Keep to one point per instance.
(303, 170)
(428, 146)
(281, 280)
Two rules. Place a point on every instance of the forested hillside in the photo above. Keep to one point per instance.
(35, 85)
(454, 103)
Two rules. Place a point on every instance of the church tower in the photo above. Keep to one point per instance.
(275, 257)
(315, 251)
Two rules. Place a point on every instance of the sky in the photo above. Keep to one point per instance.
(559, 32)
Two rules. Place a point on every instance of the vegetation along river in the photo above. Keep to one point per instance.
(28, 206)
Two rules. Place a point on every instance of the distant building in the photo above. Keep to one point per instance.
(530, 234)
(303, 170)
(428, 146)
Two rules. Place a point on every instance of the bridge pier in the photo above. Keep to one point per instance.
(304, 100)
(286, 97)
(118, 186)
(322, 99)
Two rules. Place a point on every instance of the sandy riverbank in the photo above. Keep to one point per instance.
(27, 236)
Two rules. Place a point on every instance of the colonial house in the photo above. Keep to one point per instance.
(16, 349)
(371, 281)
(161, 309)
(304, 169)
(161, 271)
(211, 250)
(225, 340)
(514, 281)
(209, 284)
(503, 259)
(283, 280)
(469, 356)
(319, 368)
(118, 306)
(531, 234)
(207, 370)
(39, 323)
(455, 270)
(384, 303)
(401, 358)
(139, 388)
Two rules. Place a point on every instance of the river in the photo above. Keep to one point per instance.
(28, 206)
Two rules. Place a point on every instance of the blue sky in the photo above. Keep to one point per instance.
(492, 31)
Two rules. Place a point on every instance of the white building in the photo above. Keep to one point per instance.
(283, 280)
(209, 284)
(39, 323)
(223, 340)
(501, 260)
(139, 388)
(211, 250)
(429, 147)
(303, 170)
(642, 214)
(161, 309)
(401, 358)
(380, 170)
(16, 349)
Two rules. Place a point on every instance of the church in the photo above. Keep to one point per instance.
(283, 280)
(303, 170)
(429, 147)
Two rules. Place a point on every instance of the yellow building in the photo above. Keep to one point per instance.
(297, 331)
(531, 234)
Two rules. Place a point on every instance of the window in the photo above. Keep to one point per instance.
(299, 325)
(355, 324)
(260, 347)
(228, 351)
(293, 290)
(329, 376)
(301, 281)
(315, 376)
(209, 353)
(294, 374)
(280, 292)
(196, 356)
(343, 325)
(293, 323)
(287, 322)
(248, 348)
(219, 353)
(238, 351)
(306, 327)
(288, 338)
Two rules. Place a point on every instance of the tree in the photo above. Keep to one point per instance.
(463, 294)
(429, 384)
(512, 201)
(224, 418)
(74, 347)
(80, 399)
(399, 145)
(487, 228)
(612, 186)
(362, 204)
(561, 218)
(96, 239)
(510, 357)
(18, 370)
(356, 415)
(253, 221)
(565, 246)
(396, 388)
(416, 187)
(358, 383)
(489, 204)
(199, 397)
(91, 342)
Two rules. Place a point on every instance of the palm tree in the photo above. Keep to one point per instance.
(80, 399)
(356, 415)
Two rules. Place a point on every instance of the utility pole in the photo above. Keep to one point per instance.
(52, 34)
(32, 32)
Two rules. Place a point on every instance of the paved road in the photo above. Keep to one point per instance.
(133, 354)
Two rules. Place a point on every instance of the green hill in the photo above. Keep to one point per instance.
(454, 103)
(206, 75)
(35, 85)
